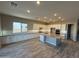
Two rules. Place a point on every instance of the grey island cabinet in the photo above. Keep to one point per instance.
(50, 40)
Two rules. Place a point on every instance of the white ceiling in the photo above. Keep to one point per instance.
(67, 10)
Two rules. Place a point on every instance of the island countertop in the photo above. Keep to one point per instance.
(52, 35)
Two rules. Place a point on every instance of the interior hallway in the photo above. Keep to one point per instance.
(35, 48)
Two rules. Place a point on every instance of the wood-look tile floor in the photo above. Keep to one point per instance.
(35, 49)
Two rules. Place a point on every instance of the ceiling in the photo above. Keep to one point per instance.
(68, 10)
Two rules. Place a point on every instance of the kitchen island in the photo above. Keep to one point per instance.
(50, 39)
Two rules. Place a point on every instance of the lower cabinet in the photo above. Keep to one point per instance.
(18, 37)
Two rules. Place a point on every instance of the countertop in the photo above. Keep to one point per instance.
(53, 35)
(21, 33)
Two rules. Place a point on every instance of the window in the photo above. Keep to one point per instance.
(19, 27)
(24, 27)
(16, 27)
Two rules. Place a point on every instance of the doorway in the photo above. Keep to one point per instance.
(69, 31)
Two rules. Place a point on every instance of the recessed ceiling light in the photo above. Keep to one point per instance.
(28, 11)
(38, 2)
(59, 17)
(55, 14)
